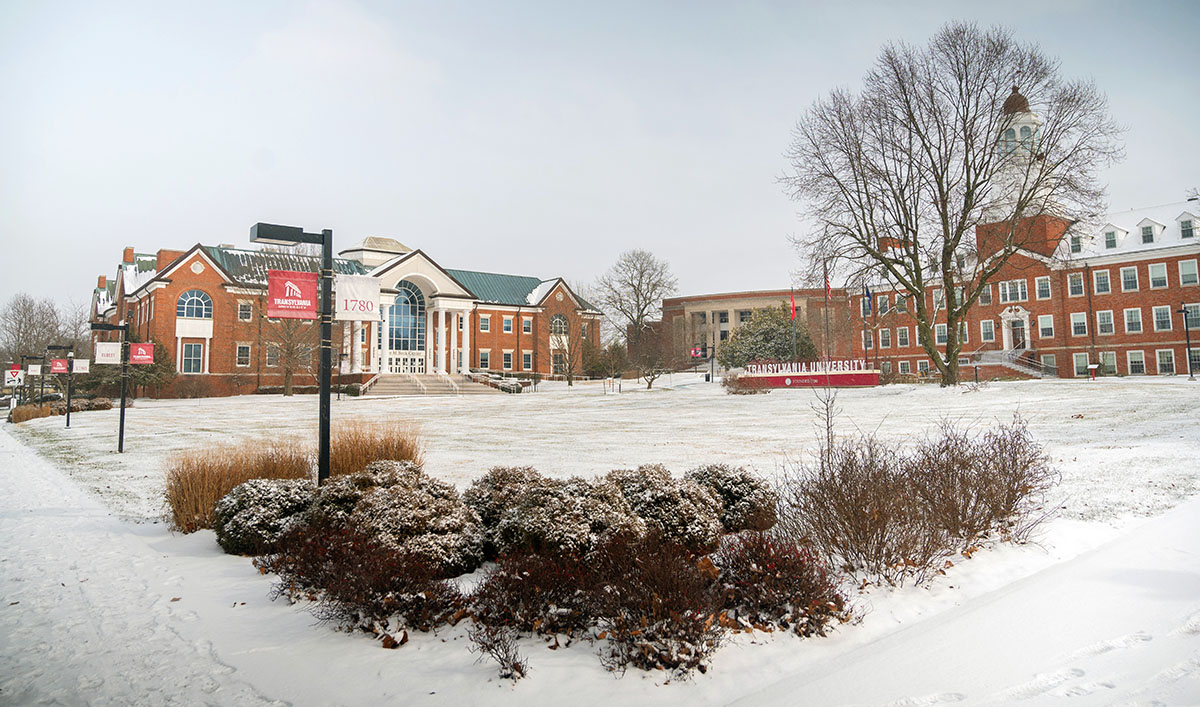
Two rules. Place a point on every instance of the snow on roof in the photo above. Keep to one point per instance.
(1166, 220)
(138, 272)
(250, 266)
(538, 293)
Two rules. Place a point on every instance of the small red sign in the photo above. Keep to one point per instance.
(58, 365)
(141, 353)
(14, 366)
(291, 294)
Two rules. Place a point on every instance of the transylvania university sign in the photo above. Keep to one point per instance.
(808, 374)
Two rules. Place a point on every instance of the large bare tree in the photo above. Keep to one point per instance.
(632, 290)
(897, 177)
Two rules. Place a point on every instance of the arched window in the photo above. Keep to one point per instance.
(194, 304)
(558, 324)
(406, 326)
(1010, 140)
(1027, 138)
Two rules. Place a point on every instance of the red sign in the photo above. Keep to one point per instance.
(58, 365)
(291, 294)
(141, 353)
(14, 366)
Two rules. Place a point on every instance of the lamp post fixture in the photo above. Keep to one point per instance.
(123, 327)
(70, 360)
(1187, 355)
(292, 235)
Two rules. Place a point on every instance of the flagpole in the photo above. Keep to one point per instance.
(825, 267)
(793, 324)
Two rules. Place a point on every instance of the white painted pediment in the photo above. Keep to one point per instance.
(421, 270)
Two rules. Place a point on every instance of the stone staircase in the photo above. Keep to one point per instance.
(428, 384)
(1015, 360)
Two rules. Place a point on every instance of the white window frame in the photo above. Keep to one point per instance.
(939, 299)
(941, 333)
(868, 341)
(526, 325)
(1106, 356)
(272, 360)
(1138, 319)
(1158, 361)
(1194, 273)
(1188, 231)
(904, 367)
(1096, 282)
(1129, 357)
(506, 359)
(1112, 323)
(1136, 281)
(1147, 233)
(1076, 369)
(1074, 279)
(526, 360)
(1079, 318)
(485, 359)
(987, 330)
(1192, 319)
(237, 355)
(924, 365)
(507, 326)
(1165, 280)
(882, 305)
(1155, 311)
(1014, 291)
(1050, 361)
(185, 358)
(1042, 321)
(985, 294)
(249, 309)
(1037, 286)
(902, 339)
(885, 338)
(485, 322)
(1110, 240)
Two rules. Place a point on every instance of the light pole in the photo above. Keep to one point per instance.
(123, 327)
(1187, 334)
(291, 235)
(70, 360)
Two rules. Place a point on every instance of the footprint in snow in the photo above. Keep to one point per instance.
(1126, 641)
(928, 700)
(1043, 683)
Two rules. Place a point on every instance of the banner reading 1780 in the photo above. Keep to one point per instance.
(291, 294)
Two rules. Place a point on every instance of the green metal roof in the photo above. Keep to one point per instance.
(250, 266)
(497, 288)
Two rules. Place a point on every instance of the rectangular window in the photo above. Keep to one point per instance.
(962, 332)
(485, 359)
(885, 338)
(1075, 284)
(1147, 234)
(460, 319)
(864, 306)
(1108, 363)
(868, 341)
(1129, 279)
(941, 333)
(987, 330)
(882, 302)
(1162, 318)
(245, 311)
(508, 325)
(1110, 239)
(905, 367)
(1076, 244)
(193, 358)
(1050, 362)
(527, 360)
(902, 336)
(1100, 282)
(885, 367)
(1193, 360)
(923, 366)
(743, 316)
(559, 363)
(1191, 316)
(1079, 323)
(243, 355)
(1104, 322)
(1013, 291)
(1133, 321)
(485, 324)
(1185, 229)
(272, 355)
(1166, 362)
(1043, 287)
(526, 325)
(1046, 326)
(1187, 272)
(901, 303)
(939, 299)
(1081, 364)
(985, 295)
(1136, 362)
(1158, 276)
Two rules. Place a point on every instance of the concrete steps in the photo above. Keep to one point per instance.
(397, 384)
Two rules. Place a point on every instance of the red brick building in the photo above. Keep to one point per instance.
(1110, 296)
(206, 305)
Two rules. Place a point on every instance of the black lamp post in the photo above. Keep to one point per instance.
(1187, 333)
(70, 360)
(123, 327)
(291, 235)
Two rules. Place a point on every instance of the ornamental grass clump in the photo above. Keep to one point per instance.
(197, 479)
(355, 444)
(23, 413)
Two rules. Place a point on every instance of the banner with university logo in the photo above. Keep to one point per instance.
(291, 294)
(35, 369)
(58, 365)
(107, 352)
(357, 298)
(141, 353)
(81, 365)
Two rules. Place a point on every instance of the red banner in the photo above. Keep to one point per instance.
(58, 365)
(291, 294)
(141, 353)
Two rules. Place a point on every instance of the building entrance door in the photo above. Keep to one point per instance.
(406, 363)
(1018, 334)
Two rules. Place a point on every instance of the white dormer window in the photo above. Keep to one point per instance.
(1076, 244)
(1110, 239)
(1187, 228)
(1147, 234)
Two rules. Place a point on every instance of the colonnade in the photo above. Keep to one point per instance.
(441, 354)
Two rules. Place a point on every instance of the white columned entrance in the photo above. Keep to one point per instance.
(466, 342)
(439, 340)
(356, 347)
(1014, 328)
(385, 363)
(453, 365)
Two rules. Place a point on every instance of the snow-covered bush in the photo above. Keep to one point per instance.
(748, 501)
(501, 488)
(251, 518)
(681, 510)
(568, 517)
(537, 593)
(412, 513)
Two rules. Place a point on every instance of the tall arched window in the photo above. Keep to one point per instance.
(1027, 138)
(558, 324)
(194, 304)
(406, 327)
(1010, 140)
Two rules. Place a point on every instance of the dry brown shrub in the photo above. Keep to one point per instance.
(21, 413)
(197, 479)
(355, 444)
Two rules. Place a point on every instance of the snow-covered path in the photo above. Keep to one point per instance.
(86, 615)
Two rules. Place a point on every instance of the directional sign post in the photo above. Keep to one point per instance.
(123, 327)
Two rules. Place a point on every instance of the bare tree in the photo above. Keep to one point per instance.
(290, 344)
(898, 178)
(28, 325)
(632, 290)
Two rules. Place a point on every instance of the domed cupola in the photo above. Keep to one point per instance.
(1020, 125)
(1015, 103)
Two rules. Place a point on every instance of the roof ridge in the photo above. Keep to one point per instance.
(500, 274)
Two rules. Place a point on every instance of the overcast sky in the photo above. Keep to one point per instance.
(534, 138)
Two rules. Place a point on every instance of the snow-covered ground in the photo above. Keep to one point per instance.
(1104, 609)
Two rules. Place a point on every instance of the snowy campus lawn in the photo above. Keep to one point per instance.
(103, 605)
